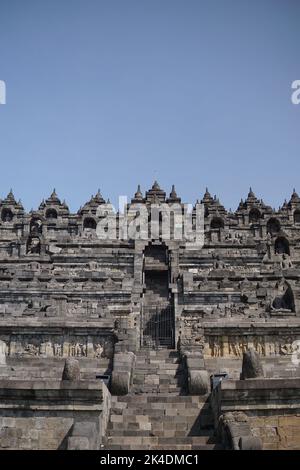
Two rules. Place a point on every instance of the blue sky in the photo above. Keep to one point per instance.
(109, 94)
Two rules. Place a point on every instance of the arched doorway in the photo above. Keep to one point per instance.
(33, 245)
(282, 246)
(254, 215)
(217, 223)
(51, 214)
(297, 216)
(89, 223)
(7, 215)
(157, 319)
(36, 226)
(284, 301)
(273, 226)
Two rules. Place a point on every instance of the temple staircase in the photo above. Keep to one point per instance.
(158, 413)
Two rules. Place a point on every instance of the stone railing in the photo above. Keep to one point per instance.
(258, 413)
(234, 432)
(122, 376)
(197, 375)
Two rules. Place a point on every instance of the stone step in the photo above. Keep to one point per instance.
(201, 440)
(159, 380)
(160, 398)
(158, 353)
(174, 423)
(172, 411)
(164, 447)
(163, 383)
(127, 416)
(157, 363)
(162, 374)
(150, 390)
(185, 415)
(168, 409)
(167, 432)
(158, 414)
(166, 405)
(131, 442)
(168, 373)
(171, 366)
(144, 371)
(172, 428)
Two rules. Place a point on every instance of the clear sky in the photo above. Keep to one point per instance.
(111, 93)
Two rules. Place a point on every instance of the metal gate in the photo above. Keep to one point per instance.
(157, 327)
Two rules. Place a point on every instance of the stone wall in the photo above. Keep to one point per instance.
(268, 338)
(277, 432)
(272, 408)
(46, 414)
(35, 338)
(34, 432)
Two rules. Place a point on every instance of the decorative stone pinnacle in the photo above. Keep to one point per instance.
(53, 194)
(173, 193)
(138, 195)
(251, 193)
(156, 185)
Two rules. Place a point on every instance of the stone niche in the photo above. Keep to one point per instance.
(236, 345)
(25, 345)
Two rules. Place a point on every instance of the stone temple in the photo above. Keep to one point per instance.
(150, 344)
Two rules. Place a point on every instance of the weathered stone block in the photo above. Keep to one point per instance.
(251, 367)
(71, 370)
(198, 382)
(250, 443)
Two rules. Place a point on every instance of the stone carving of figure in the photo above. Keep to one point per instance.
(271, 347)
(8, 216)
(2, 353)
(216, 311)
(285, 261)
(218, 263)
(286, 346)
(98, 350)
(83, 349)
(231, 348)
(77, 350)
(34, 246)
(31, 349)
(228, 310)
(36, 227)
(283, 298)
(72, 350)
(238, 239)
(243, 346)
(259, 346)
(238, 346)
(57, 349)
(269, 245)
(92, 265)
(216, 348)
